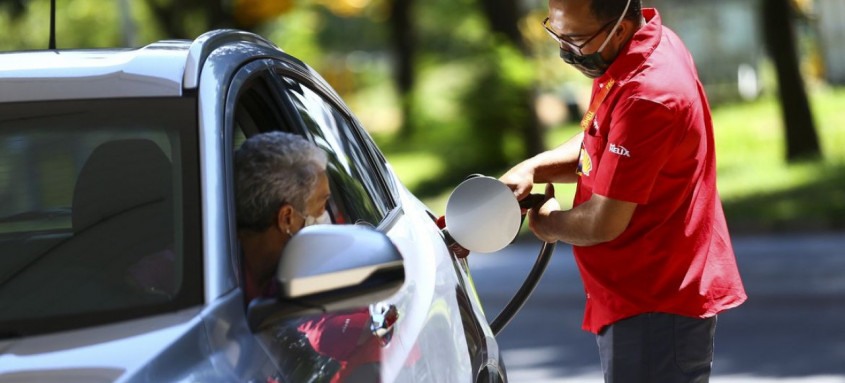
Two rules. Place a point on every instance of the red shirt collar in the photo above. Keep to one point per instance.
(637, 49)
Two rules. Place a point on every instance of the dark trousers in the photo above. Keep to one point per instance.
(657, 348)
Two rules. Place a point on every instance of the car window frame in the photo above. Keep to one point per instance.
(273, 72)
(386, 189)
(243, 81)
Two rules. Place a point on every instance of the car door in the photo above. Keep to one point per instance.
(417, 223)
(309, 348)
(420, 329)
(427, 341)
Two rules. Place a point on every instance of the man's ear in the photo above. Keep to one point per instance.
(284, 218)
(625, 30)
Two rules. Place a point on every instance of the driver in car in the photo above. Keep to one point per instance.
(281, 186)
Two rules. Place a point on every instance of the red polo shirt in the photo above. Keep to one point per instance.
(651, 143)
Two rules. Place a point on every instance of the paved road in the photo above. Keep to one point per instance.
(792, 328)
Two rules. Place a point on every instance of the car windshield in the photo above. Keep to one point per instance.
(99, 212)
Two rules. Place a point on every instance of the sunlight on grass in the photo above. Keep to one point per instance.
(415, 167)
(376, 107)
(441, 86)
(764, 193)
(751, 150)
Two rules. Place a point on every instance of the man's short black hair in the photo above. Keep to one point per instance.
(606, 10)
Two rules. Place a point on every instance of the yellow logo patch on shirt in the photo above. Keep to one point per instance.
(585, 163)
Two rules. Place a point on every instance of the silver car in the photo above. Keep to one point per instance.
(118, 254)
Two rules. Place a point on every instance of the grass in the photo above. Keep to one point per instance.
(763, 193)
(760, 191)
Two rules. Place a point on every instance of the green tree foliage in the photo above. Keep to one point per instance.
(498, 108)
(493, 96)
(79, 24)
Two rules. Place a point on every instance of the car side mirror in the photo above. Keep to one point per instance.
(326, 268)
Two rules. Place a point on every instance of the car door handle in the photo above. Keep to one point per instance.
(383, 318)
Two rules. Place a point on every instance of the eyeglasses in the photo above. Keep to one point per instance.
(574, 47)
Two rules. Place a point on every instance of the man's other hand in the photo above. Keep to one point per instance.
(539, 218)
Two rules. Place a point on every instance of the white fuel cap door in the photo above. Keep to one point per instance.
(483, 215)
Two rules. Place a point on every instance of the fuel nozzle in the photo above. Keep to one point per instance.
(531, 201)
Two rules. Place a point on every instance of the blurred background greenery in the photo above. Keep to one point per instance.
(453, 87)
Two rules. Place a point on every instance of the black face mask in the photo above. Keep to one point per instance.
(591, 65)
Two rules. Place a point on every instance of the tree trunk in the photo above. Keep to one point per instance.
(404, 44)
(801, 139)
(503, 17)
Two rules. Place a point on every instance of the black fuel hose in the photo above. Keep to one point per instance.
(525, 291)
(531, 280)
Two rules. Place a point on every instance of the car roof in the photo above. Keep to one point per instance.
(164, 68)
(154, 70)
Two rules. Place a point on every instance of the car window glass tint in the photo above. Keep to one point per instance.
(255, 110)
(355, 190)
(94, 206)
(381, 163)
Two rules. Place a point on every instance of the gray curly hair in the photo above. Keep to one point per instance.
(272, 169)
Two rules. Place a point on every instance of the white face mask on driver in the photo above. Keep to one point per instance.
(323, 219)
